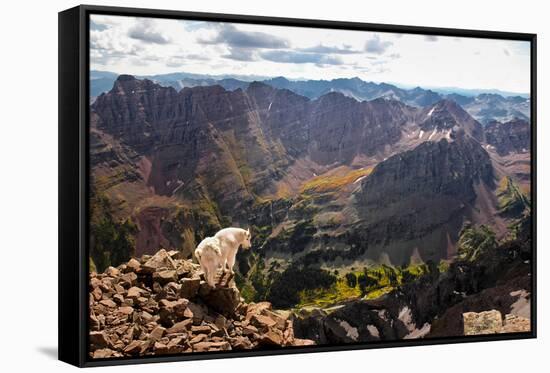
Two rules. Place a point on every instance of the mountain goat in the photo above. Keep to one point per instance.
(221, 251)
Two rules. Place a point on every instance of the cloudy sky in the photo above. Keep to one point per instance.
(148, 46)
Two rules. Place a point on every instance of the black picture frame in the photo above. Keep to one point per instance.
(73, 75)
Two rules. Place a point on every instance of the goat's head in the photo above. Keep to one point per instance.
(246, 244)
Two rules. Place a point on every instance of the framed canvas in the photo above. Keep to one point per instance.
(235, 186)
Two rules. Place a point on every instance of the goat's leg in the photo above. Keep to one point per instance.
(231, 262)
(211, 277)
(225, 265)
(213, 280)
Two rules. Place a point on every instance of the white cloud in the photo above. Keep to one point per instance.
(148, 33)
(145, 46)
(376, 45)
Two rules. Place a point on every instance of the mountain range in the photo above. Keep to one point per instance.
(483, 105)
(368, 181)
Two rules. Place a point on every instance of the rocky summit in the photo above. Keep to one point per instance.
(160, 304)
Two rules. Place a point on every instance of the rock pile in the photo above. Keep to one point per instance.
(160, 305)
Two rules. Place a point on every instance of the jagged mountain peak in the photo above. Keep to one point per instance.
(388, 100)
(334, 96)
(125, 78)
(128, 85)
(259, 85)
(278, 79)
(513, 136)
(210, 89)
(448, 116)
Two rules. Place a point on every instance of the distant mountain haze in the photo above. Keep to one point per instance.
(483, 105)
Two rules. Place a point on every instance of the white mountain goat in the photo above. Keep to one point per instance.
(221, 251)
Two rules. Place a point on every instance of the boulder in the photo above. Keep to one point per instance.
(516, 324)
(133, 265)
(136, 347)
(189, 287)
(271, 338)
(103, 353)
(134, 293)
(112, 272)
(241, 343)
(198, 338)
(180, 327)
(125, 310)
(128, 279)
(157, 333)
(222, 300)
(262, 322)
(108, 303)
(211, 346)
(201, 329)
(161, 260)
(165, 276)
(99, 339)
(487, 322)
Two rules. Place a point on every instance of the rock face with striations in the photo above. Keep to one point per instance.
(420, 198)
(160, 305)
(509, 137)
(240, 139)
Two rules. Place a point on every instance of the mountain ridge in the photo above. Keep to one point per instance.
(484, 106)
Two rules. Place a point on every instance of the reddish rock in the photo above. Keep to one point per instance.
(151, 318)
(134, 347)
(99, 339)
(133, 265)
(198, 338)
(201, 329)
(157, 333)
(112, 272)
(189, 287)
(211, 346)
(262, 322)
(303, 342)
(125, 310)
(128, 279)
(180, 327)
(271, 337)
(165, 276)
(161, 260)
(108, 303)
(134, 293)
(102, 353)
(96, 294)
